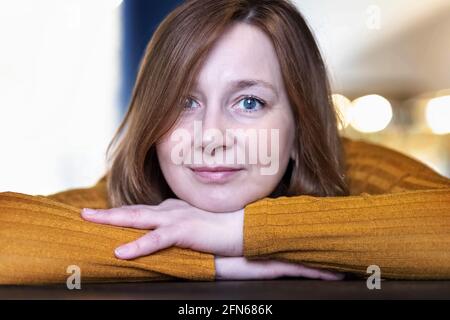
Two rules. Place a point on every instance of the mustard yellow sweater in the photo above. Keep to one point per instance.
(397, 217)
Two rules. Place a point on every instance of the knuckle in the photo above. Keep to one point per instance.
(134, 214)
(171, 201)
(174, 215)
(168, 201)
(156, 238)
(137, 245)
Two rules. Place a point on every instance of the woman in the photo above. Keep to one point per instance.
(234, 66)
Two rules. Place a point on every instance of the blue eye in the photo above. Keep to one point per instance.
(190, 104)
(248, 104)
(251, 104)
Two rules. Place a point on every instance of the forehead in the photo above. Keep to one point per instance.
(244, 51)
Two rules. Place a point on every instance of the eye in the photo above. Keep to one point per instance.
(250, 104)
(190, 104)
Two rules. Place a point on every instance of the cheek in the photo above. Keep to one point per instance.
(172, 172)
(170, 169)
(163, 153)
(280, 145)
(287, 136)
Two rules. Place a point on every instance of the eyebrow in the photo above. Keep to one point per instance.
(248, 83)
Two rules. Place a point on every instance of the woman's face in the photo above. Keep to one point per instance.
(232, 143)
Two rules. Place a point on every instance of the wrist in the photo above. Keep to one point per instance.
(218, 267)
(236, 232)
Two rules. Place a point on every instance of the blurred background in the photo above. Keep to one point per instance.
(67, 68)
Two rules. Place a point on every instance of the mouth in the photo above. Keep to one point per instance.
(215, 174)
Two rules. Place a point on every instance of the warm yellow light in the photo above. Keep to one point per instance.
(342, 105)
(370, 113)
(437, 114)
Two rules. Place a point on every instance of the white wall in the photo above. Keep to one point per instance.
(351, 32)
(59, 64)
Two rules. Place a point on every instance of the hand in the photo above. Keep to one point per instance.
(175, 223)
(240, 268)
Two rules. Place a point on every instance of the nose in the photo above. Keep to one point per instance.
(214, 131)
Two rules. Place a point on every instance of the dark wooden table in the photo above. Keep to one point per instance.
(289, 289)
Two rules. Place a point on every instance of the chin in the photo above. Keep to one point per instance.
(218, 205)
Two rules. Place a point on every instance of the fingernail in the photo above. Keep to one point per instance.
(123, 250)
(89, 211)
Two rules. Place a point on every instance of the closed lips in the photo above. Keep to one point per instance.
(214, 169)
(217, 175)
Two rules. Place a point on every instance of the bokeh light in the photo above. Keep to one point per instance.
(437, 114)
(343, 108)
(370, 113)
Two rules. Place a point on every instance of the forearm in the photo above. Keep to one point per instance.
(40, 238)
(406, 234)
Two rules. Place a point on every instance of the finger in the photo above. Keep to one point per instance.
(297, 270)
(272, 269)
(136, 216)
(239, 268)
(153, 241)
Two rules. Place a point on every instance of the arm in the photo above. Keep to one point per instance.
(40, 237)
(39, 250)
(403, 226)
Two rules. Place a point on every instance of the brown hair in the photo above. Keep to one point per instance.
(168, 69)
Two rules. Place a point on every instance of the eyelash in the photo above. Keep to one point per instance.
(260, 101)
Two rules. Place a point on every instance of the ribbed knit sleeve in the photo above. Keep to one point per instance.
(41, 237)
(398, 218)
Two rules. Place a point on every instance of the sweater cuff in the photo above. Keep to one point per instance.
(257, 232)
